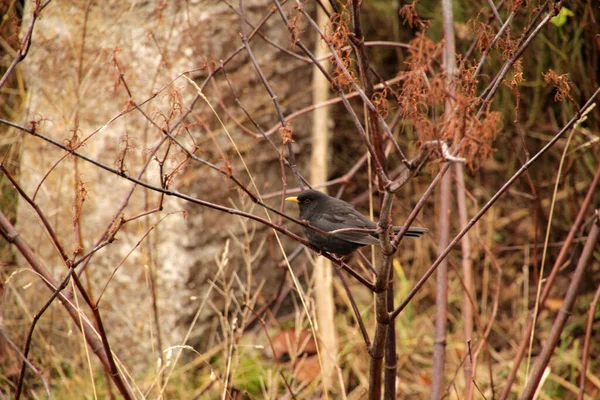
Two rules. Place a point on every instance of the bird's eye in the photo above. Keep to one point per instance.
(306, 201)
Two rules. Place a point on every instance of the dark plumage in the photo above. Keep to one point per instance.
(330, 214)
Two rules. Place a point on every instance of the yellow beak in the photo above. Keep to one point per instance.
(294, 199)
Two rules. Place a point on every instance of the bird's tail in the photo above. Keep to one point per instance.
(414, 232)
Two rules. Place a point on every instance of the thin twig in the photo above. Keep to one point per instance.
(549, 281)
(587, 344)
(357, 315)
(486, 207)
(565, 311)
(279, 368)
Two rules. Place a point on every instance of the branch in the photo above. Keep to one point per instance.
(485, 208)
(25, 42)
(565, 311)
(91, 336)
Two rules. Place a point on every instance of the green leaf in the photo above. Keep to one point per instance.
(561, 18)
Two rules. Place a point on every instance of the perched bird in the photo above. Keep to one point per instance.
(330, 214)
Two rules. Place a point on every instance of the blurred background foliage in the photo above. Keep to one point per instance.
(514, 229)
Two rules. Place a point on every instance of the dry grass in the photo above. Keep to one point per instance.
(243, 314)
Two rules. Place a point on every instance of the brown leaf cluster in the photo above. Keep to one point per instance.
(295, 25)
(423, 98)
(380, 101)
(418, 92)
(338, 36)
(561, 83)
(409, 14)
(286, 133)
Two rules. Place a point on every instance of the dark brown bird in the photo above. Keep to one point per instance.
(330, 214)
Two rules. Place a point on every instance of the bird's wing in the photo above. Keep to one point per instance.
(349, 218)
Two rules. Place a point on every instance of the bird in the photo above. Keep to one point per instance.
(330, 214)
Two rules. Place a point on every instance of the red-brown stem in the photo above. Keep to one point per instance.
(563, 315)
(377, 139)
(112, 367)
(38, 211)
(365, 78)
(25, 42)
(67, 301)
(378, 167)
(467, 268)
(279, 367)
(526, 39)
(377, 350)
(586, 343)
(562, 255)
(271, 92)
(391, 359)
(441, 293)
(359, 320)
(484, 209)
